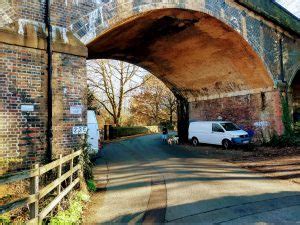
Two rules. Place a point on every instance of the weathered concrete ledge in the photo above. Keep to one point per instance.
(35, 39)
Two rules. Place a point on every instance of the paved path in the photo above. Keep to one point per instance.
(151, 182)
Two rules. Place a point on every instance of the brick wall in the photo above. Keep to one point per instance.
(63, 12)
(243, 110)
(22, 81)
(69, 83)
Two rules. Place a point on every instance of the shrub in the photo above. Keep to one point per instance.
(286, 118)
(91, 185)
(128, 131)
(281, 141)
(72, 215)
(85, 159)
(5, 219)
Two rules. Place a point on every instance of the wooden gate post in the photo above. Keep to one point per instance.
(71, 167)
(59, 174)
(34, 189)
(83, 186)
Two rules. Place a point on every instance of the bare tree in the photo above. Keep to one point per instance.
(112, 81)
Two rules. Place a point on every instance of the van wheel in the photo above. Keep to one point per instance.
(195, 141)
(226, 144)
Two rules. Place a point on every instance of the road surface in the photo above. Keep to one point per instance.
(153, 183)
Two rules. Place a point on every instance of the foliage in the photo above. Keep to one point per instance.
(72, 215)
(128, 131)
(281, 141)
(91, 100)
(5, 219)
(85, 159)
(286, 118)
(91, 185)
(288, 138)
(153, 104)
(12, 192)
(113, 81)
(9, 162)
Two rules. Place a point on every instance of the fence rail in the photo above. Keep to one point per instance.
(36, 194)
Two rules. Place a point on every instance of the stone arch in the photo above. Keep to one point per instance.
(222, 67)
(216, 34)
(110, 13)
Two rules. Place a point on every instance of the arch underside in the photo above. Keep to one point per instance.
(195, 54)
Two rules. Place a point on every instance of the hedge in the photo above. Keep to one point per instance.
(116, 132)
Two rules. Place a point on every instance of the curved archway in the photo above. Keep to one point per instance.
(192, 52)
(198, 57)
(109, 13)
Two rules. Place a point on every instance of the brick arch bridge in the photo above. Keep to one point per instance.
(220, 57)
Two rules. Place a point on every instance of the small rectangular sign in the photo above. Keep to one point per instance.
(27, 108)
(79, 129)
(261, 124)
(76, 110)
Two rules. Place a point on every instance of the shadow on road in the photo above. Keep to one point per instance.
(201, 188)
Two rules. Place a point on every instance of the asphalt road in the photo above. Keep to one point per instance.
(153, 183)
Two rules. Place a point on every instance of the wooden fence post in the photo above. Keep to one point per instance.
(71, 167)
(59, 174)
(34, 189)
(83, 186)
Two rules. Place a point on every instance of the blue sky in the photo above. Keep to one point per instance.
(292, 5)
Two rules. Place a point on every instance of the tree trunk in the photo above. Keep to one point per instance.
(182, 119)
(171, 117)
(116, 121)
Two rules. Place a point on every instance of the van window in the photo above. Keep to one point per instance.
(230, 126)
(217, 128)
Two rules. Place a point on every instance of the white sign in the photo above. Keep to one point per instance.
(79, 130)
(27, 108)
(76, 110)
(262, 124)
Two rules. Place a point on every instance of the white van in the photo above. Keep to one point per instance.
(223, 133)
(93, 131)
